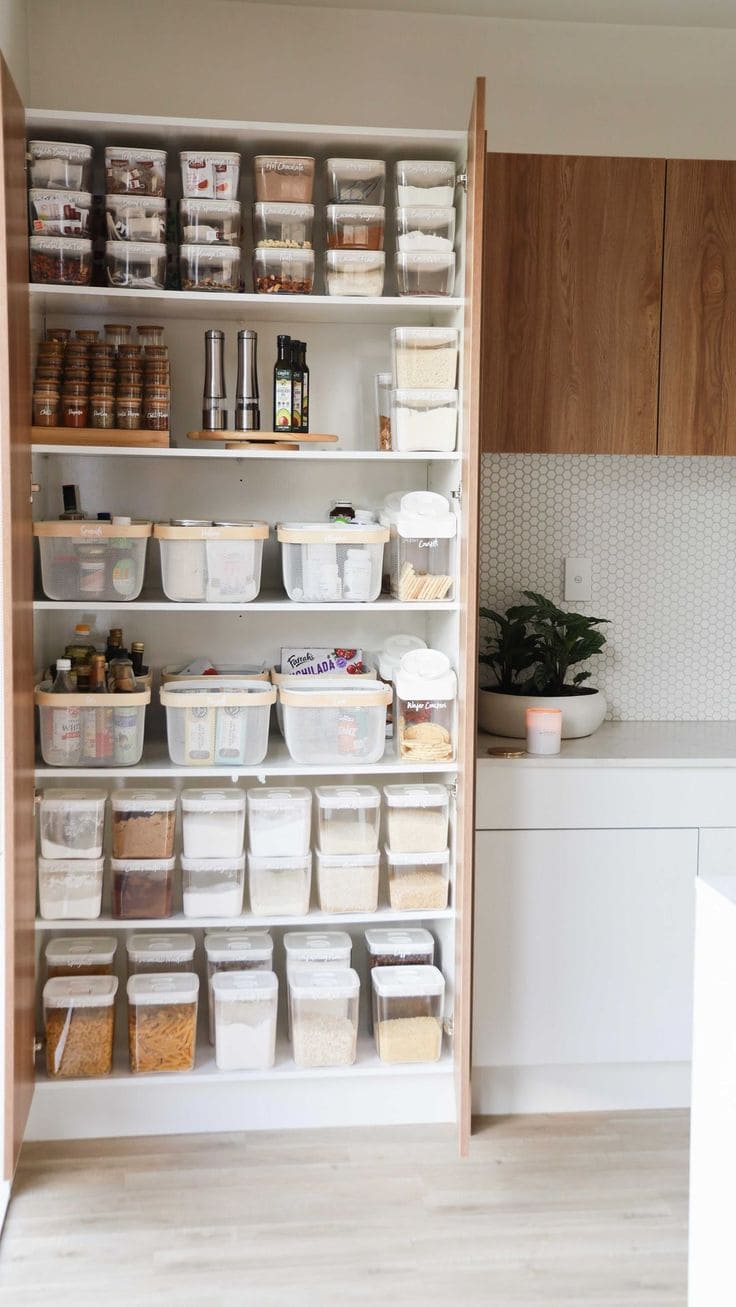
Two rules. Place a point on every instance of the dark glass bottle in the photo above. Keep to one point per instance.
(282, 386)
(296, 385)
(305, 384)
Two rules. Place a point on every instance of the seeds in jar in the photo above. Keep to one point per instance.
(323, 1040)
(348, 884)
(410, 1039)
(413, 890)
(79, 1041)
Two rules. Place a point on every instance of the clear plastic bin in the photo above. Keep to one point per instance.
(398, 947)
(417, 818)
(279, 887)
(134, 170)
(286, 226)
(212, 887)
(349, 818)
(60, 165)
(79, 1023)
(143, 823)
(135, 218)
(238, 671)
(209, 222)
(136, 265)
(69, 571)
(70, 889)
(425, 358)
(347, 882)
(72, 823)
(294, 681)
(81, 955)
(60, 213)
(424, 557)
(424, 420)
(246, 1008)
(212, 564)
(322, 563)
(162, 1022)
(210, 267)
(213, 823)
(355, 272)
(79, 731)
(324, 1015)
(407, 1013)
(279, 821)
(425, 182)
(424, 273)
(152, 953)
(142, 889)
(421, 227)
(209, 174)
(355, 226)
(356, 181)
(234, 950)
(426, 690)
(220, 725)
(336, 725)
(418, 880)
(287, 178)
(279, 271)
(61, 260)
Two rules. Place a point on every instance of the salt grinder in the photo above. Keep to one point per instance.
(214, 400)
(247, 410)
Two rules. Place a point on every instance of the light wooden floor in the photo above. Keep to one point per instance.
(558, 1210)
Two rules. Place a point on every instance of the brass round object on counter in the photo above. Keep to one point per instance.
(500, 752)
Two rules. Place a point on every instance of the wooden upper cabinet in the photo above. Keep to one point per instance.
(572, 300)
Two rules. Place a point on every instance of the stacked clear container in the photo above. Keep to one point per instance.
(60, 201)
(142, 862)
(80, 955)
(234, 951)
(423, 560)
(283, 216)
(425, 227)
(355, 219)
(213, 863)
(209, 220)
(417, 854)
(70, 866)
(347, 857)
(246, 1008)
(279, 856)
(315, 948)
(324, 1016)
(424, 402)
(408, 1006)
(151, 954)
(135, 206)
(398, 947)
(79, 1024)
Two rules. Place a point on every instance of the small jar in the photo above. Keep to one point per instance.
(128, 351)
(75, 404)
(155, 352)
(117, 334)
(104, 376)
(49, 372)
(129, 390)
(129, 413)
(80, 372)
(102, 387)
(157, 377)
(45, 404)
(129, 377)
(150, 335)
(60, 334)
(102, 410)
(88, 335)
(156, 414)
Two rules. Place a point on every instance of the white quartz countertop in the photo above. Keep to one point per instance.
(631, 744)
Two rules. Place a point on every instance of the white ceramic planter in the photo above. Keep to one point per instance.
(505, 714)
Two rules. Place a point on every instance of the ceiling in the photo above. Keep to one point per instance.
(661, 13)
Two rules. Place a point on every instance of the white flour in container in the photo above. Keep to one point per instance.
(214, 901)
(426, 368)
(423, 240)
(424, 428)
(245, 1034)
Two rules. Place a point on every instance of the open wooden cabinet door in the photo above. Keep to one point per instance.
(17, 869)
(468, 679)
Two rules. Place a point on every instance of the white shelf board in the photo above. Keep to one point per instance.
(329, 455)
(267, 602)
(247, 921)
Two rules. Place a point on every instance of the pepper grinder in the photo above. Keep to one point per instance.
(247, 409)
(214, 400)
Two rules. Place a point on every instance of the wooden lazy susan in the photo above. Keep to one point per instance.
(285, 440)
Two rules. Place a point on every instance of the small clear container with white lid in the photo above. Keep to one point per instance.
(426, 528)
(315, 948)
(152, 952)
(213, 823)
(246, 1009)
(60, 213)
(143, 823)
(423, 272)
(389, 660)
(425, 358)
(60, 165)
(401, 946)
(283, 271)
(422, 227)
(355, 272)
(162, 1021)
(135, 218)
(284, 226)
(424, 421)
(134, 170)
(279, 821)
(426, 692)
(425, 181)
(279, 886)
(349, 818)
(79, 1023)
(209, 222)
(210, 267)
(234, 950)
(61, 260)
(347, 882)
(418, 881)
(70, 889)
(324, 1015)
(212, 887)
(81, 955)
(142, 888)
(417, 818)
(355, 226)
(284, 178)
(356, 181)
(136, 265)
(408, 1007)
(209, 174)
(72, 823)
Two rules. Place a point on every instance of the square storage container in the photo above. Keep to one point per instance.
(246, 1008)
(81, 955)
(425, 358)
(220, 725)
(418, 880)
(60, 165)
(284, 177)
(162, 1022)
(417, 818)
(135, 218)
(426, 691)
(60, 213)
(349, 818)
(61, 260)
(355, 226)
(424, 420)
(347, 882)
(213, 823)
(283, 271)
(337, 725)
(112, 572)
(324, 1016)
(212, 564)
(79, 1023)
(152, 953)
(210, 267)
(234, 950)
(79, 731)
(286, 226)
(142, 889)
(279, 887)
(279, 821)
(134, 170)
(209, 222)
(421, 227)
(72, 823)
(143, 823)
(407, 1013)
(136, 265)
(324, 563)
(425, 182)
(314, 948)
(70, 889)
(355, 272)
(425, 273)
(397, 947)
(356, 181)
(209, 174)
(424, 565)
(213, 887)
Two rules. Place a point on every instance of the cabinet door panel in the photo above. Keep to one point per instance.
(571, 307)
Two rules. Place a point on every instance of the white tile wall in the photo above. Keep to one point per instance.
(661, 534)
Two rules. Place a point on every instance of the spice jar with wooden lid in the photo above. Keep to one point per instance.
(75, 404)
(128, 412)
(102, 410)
(117, 334)
(151, 335)
(45, 404)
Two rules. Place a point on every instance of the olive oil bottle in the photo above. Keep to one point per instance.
(282, 410)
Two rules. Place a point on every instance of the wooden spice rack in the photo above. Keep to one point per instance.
(100, 437)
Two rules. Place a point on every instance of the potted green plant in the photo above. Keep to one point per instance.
(531, 653)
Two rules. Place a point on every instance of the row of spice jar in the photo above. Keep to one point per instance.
(104, 384)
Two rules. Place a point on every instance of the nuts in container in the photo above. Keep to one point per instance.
(61, 260)
(210, 267)
(283, 271)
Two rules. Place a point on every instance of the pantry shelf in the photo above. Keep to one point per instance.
(267, 602)
(384, 917)
(253, 455)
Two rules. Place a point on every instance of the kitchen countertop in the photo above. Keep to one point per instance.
(631, 744)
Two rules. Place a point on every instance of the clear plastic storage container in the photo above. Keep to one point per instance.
(417, 818)
(70, 889)
(143, 823)
(426, 690)
(425, 182)
(279, 821)
(60, 213)
(424, 559)
(213, 823)
(136, 265)
(422, 227)
(425, 273)
(79, 1023)
(210, 267)
(356, 181)
(209, 174)
(424, 420)
(284, 177)
(61, 260)
(162, 1022)
(418, 880)
(246, 1008)
(279, 887)
(217, 725)
(279, 271)
(425, 358)
(77, 730)
(81, 955)
(407, 1013)
(134, 170)
(60, 165)
(212, 564)
(315, 948)
(152, 953)
(286, 226)
(142, 888)
(101, 561)
(327, 563)
(354, 272)
(337, 725)
(347, 882)
(212, 887)
(209, 222)
(72, 823)
(324, 1016)
(234, 950)
(402, 946)
(135, 218)
(349, 818)
(355, 226)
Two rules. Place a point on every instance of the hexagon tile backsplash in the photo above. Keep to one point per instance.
(661, 536)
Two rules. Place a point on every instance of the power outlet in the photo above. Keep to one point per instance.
(578, 579)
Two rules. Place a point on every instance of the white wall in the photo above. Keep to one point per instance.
(14, 42)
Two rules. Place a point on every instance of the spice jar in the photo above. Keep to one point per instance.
(157, 411)
(158, 377)
(87, 334)
(117, 334)
(102, 410)
(75, 404)
(104, 376)
(49, 371)
(61, 334)
(80, 372)
(129, 412)
(45, 404)
(151, 336)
